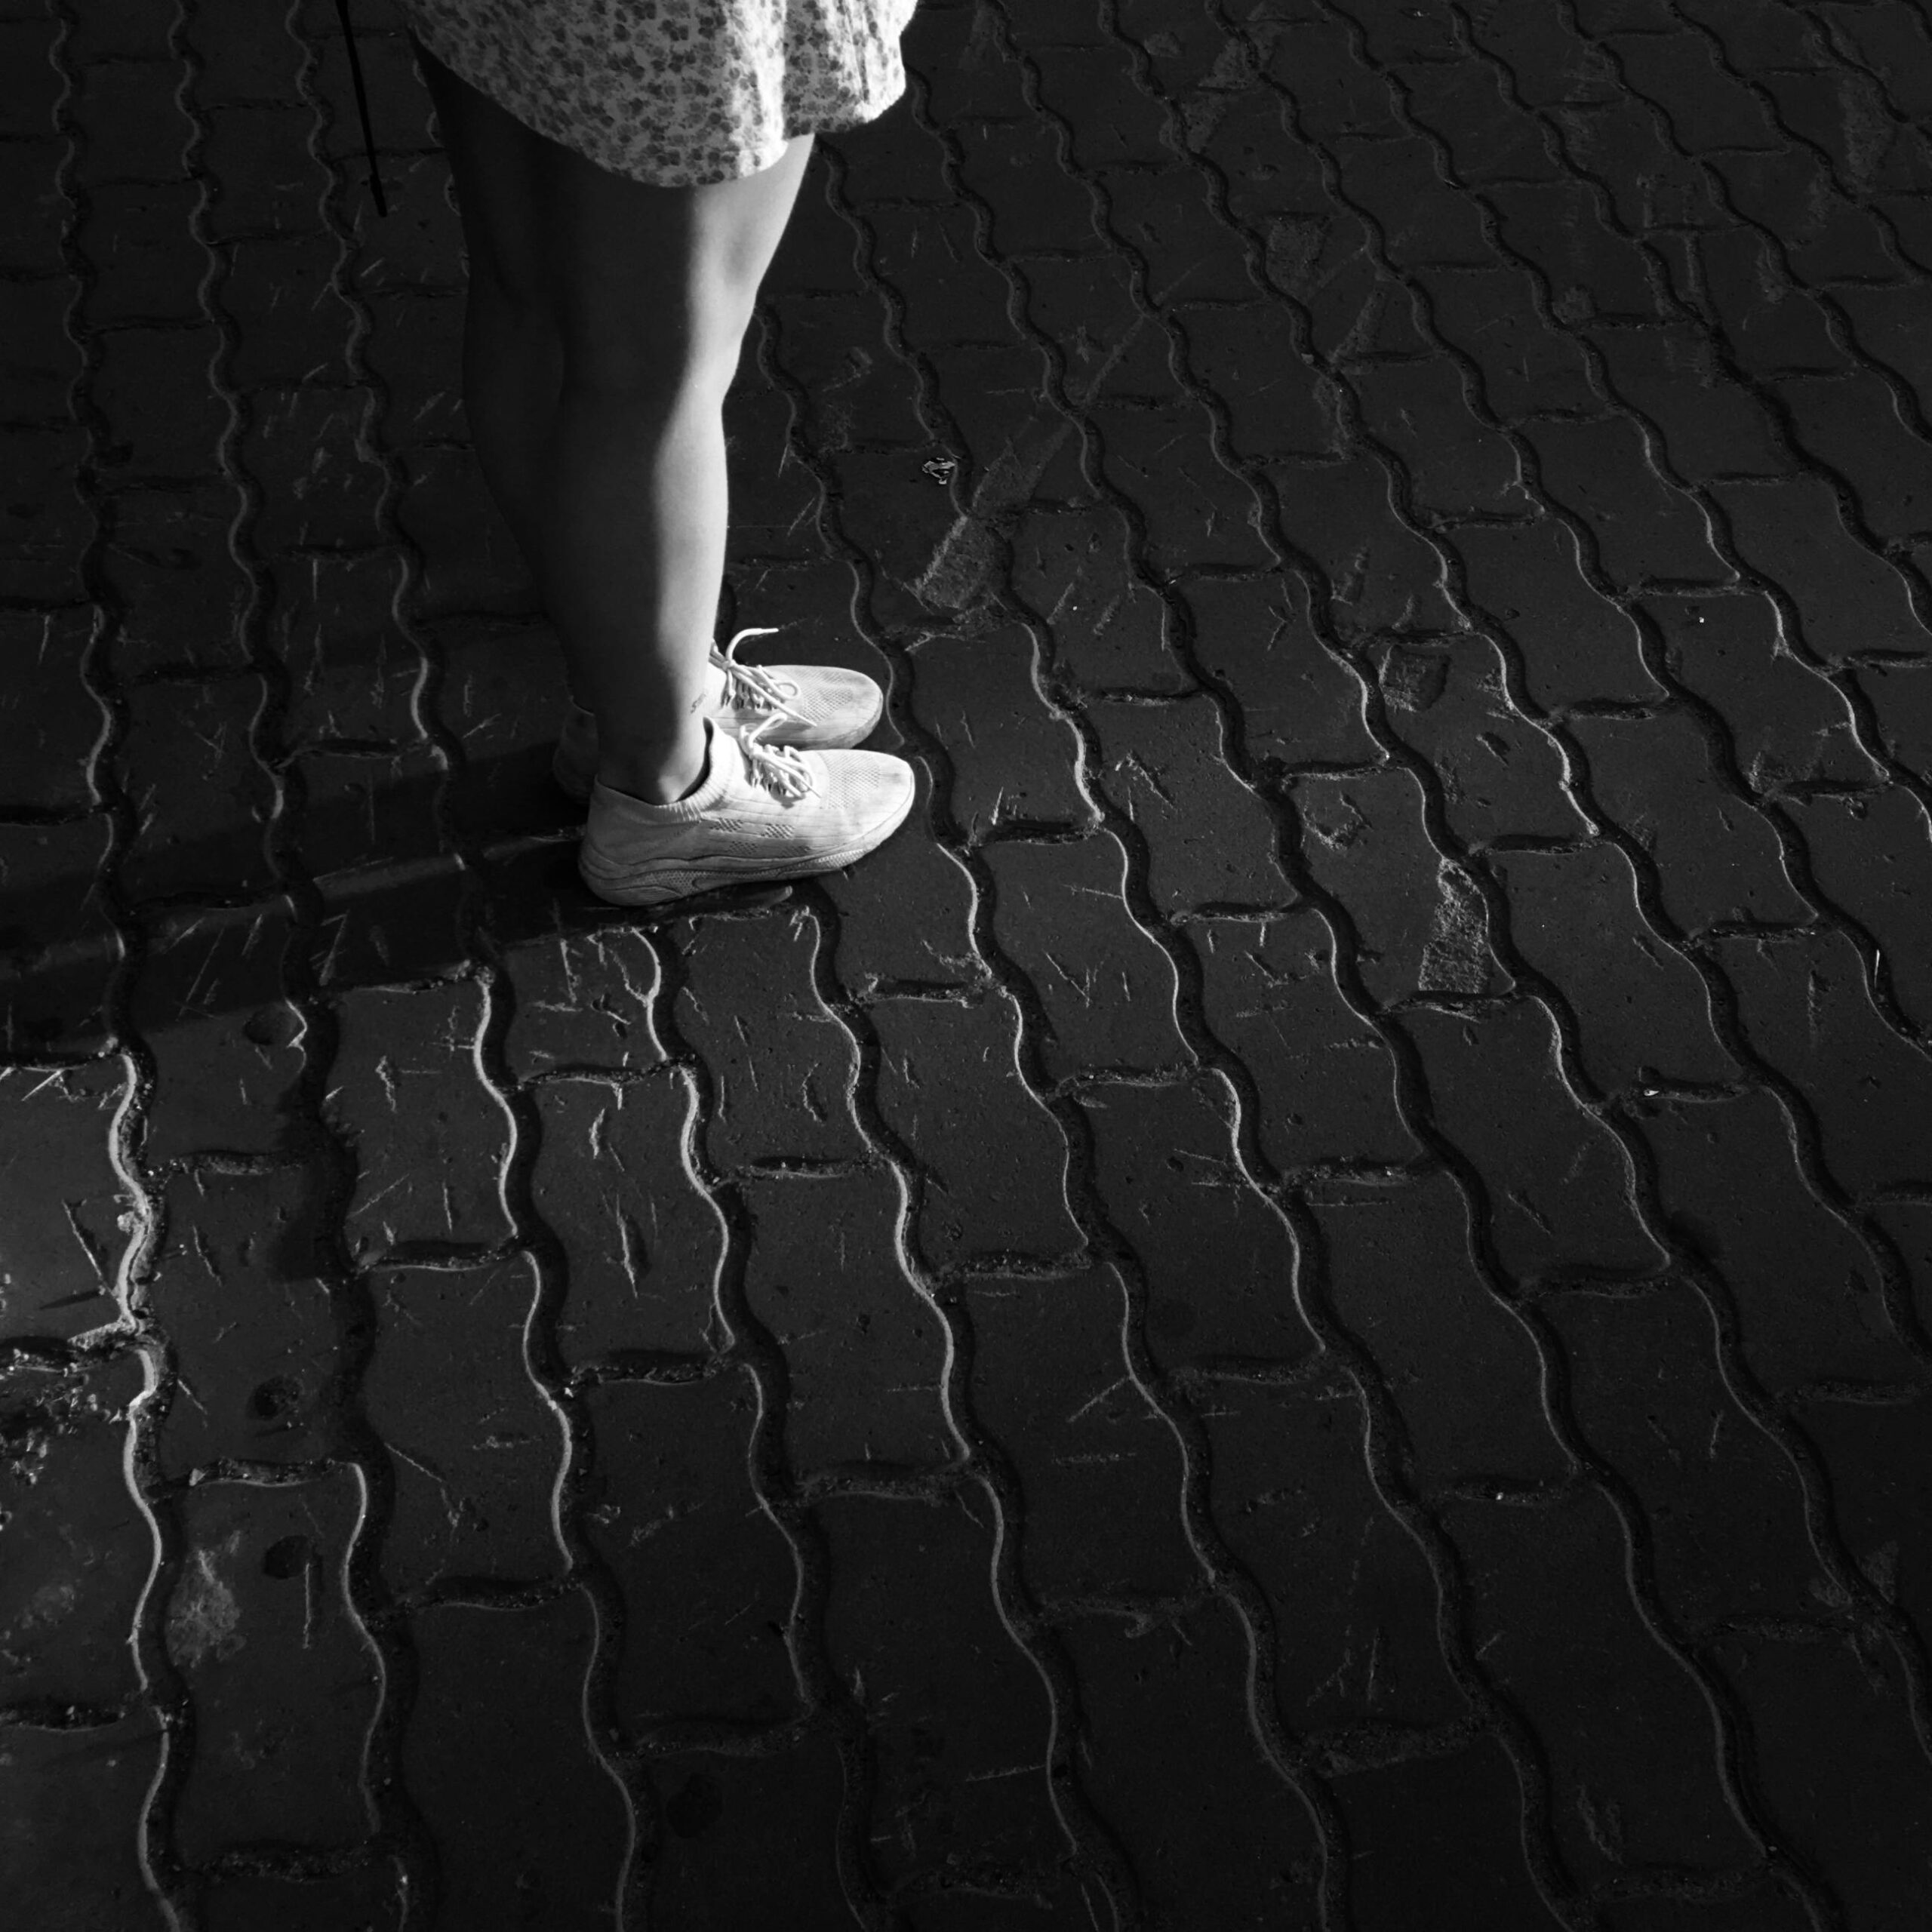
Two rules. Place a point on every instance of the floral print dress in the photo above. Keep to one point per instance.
(676, 92)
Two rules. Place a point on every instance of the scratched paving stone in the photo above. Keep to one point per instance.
(1012, 761)
(227, 1044)
(960, 1753)
(1636, 1777)
(427, 1134)
(1106, 988)
(74, 1551)
(708, 1578)
(1215, 1262)
(1324, 1078)
(1290, 1490)
(643, 1241)
(284, 1679)
(60, 1200)
(864, 1350)
(780, 1083)
(1422, 927)
(1001, 1191)
(1233, 1841)
(476, 1449)
(1400, 1279)
(1100, 1471)
(238, 1285)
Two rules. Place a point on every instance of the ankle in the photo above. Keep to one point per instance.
(660, 771)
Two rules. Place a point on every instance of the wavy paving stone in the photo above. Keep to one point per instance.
(1307, 1305)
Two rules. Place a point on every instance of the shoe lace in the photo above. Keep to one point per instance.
(779, 768)
(752, 688)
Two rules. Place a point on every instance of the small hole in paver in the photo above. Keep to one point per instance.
(696, 1808)
(274, 1398)
(286, 1556)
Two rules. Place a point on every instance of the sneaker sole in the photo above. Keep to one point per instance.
(575, 783)
(669, 879)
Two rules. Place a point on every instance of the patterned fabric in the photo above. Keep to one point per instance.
(677, 92)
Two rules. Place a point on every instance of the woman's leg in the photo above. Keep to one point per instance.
(605, 325)
(653, 289)
(513, 354)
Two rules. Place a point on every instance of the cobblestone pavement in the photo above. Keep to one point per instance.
(1304, 1307)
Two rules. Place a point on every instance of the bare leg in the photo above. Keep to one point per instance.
(656, 288)
(637, 298)
(512, 349)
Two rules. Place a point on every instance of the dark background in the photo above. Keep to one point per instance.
(1303, 1306)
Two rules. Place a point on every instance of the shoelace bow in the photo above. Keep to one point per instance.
(750, 687)
(779, 768)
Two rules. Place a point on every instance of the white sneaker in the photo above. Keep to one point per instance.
(763, 811)
(815, 705)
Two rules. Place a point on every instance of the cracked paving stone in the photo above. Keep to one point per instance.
(1501, 777)
(1418, 926)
